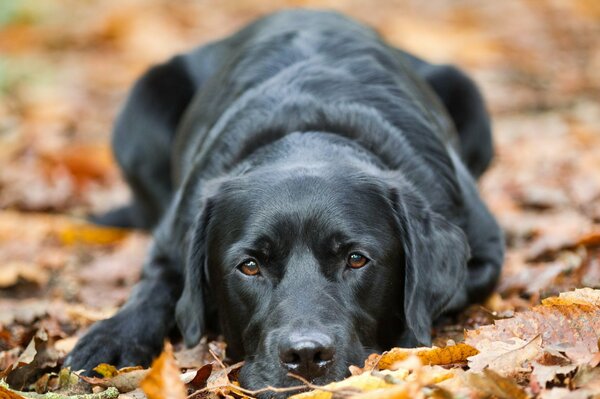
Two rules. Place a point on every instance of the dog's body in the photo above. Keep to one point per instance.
(311, 200)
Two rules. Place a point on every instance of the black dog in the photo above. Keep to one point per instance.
(312, 199)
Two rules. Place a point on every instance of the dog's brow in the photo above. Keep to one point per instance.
(263, 244)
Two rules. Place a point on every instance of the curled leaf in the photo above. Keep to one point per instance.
(163, 381)
(432, 356)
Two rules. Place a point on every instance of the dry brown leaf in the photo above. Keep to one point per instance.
(393, 392)
(163, 382)
(13, 272)
(125, 380)
(588, 377)
(506, 358)
(360, 383)
(494, 384)
(431, 356)
(219, 381)
(590, 240)
(405, 382)
(571, 319)
(83, 162)
(565, 393)
(36, 227)
(197, 379)
(543, 374)
(546, 246)
(38, 356)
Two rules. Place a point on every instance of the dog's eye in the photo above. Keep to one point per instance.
(249, 267)
(357, 260)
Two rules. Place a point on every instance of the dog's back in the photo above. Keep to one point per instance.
(306, 70)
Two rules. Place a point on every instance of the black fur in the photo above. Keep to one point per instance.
(300, 139)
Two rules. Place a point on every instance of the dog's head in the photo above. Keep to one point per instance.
(311, 269)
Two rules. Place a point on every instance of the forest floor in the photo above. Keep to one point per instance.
(65, 69)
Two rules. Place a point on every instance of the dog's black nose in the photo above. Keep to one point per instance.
(309, 355)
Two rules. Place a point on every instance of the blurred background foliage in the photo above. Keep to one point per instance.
(66, 66)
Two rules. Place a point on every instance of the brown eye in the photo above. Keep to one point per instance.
(357, 260)
(249, 267)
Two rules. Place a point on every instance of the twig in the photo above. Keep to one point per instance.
(270, 388)
(216, 358)
(340, 391)
(252, 393)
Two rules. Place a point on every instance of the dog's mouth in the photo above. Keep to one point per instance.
(299, 362)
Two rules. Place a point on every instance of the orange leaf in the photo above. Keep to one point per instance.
(433, 356)
(8, 394)
(590, 240)
(163, 381)
(74, 233)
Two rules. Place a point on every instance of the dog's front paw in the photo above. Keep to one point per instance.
(115, 342)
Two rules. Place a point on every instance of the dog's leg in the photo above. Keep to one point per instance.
(466, 107)
(135, 335)
(145, 129)
(486, 242)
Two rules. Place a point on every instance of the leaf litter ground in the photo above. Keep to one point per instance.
(61, 84)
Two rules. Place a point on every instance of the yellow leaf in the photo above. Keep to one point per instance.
(36, 227)
(496, 385)
(433, 356)
(359, 383)
(74, 233)
(395, 392)
(163, 381)
(106, 370)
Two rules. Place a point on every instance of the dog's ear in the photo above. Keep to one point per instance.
(435, 255)
(190, 312)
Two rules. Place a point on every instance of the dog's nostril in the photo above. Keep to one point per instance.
(309, 355)
(290, 357)
(324, 355)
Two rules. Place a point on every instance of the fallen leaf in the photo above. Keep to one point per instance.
(565, 393)
(567, 320)
(6, 393)
(197, 379)
(219, 381)
(33, 362)
(106, 370)
(76, 233)
(13, 272)
(591, 239)
(124, 380)
(547, 246)
(38, 227)
(405, 382)
(163, 382)
(360, 383)
(430, 356)
(494, 384)
(587, 377)
(506, 358)
(543, 374)
(83, 162)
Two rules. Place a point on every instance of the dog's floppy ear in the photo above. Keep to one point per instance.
(435, 255)
(190, 312)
